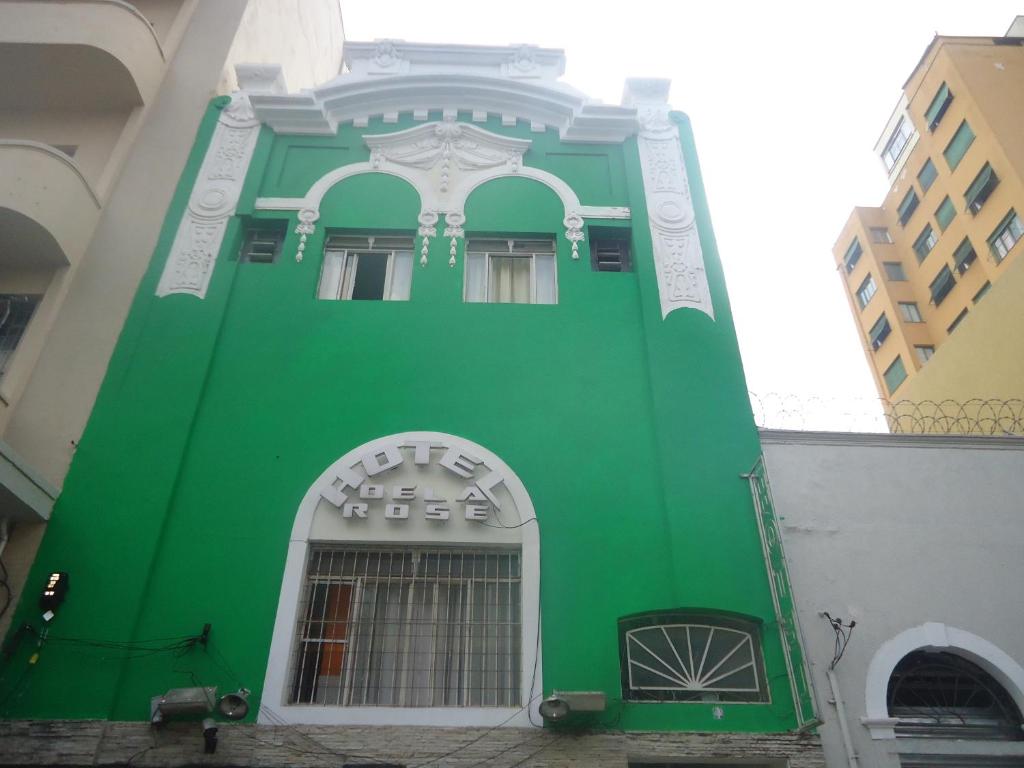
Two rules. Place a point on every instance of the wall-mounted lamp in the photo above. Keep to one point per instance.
(560, 704)
(234, 706)
(182, 702)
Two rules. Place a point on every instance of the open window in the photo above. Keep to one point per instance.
(367, 268)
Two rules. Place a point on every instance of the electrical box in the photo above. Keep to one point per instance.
(54, 592)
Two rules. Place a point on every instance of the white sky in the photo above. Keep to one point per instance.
(786, 99)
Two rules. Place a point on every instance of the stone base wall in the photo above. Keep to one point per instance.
(91, 743)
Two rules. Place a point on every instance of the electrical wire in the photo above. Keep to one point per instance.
(5, 584)
(843, 633)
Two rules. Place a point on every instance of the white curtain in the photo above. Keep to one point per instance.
(401, 276)
(510, 279)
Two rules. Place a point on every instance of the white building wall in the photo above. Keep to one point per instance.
(303, 37)
(898, 532)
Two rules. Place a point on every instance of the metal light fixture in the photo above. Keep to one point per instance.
(234, 706)
(560, 704)
(182, 702)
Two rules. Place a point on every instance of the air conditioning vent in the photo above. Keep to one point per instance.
(610, 255)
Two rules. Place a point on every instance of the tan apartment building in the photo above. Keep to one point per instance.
(934, 275)
(99, 108)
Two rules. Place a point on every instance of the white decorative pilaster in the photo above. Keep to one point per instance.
(213, 200)
(678, 258)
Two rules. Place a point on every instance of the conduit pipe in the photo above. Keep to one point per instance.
(844, 728)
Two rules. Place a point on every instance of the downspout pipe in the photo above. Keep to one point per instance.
(844, 728)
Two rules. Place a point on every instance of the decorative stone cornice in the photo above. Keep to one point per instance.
(386, 77)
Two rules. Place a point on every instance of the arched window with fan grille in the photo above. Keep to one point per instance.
(689, 656)
(943, 695)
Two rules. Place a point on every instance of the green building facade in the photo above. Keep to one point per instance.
(430, 405)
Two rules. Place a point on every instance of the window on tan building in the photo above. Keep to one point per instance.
(895, 375)
(1005, 236)
(958, 145)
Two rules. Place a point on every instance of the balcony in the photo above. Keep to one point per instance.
(77, 54)
(47, 209)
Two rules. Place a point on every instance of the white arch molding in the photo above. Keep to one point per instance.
(933, 636)
(316, 521)
(444, 161)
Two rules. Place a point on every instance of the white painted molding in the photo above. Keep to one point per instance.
(933, 636)
(387, 77)
(274, 708)
(213, 200)
(678, 258)
(445, 162)
(260, 78)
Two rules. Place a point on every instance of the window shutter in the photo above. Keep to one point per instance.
(938, 107)
(958, 145)
(907, 206)
(964, 256)
(945, 213)
(981, 188)
(942, 285)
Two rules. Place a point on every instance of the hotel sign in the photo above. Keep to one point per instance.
(428, 478)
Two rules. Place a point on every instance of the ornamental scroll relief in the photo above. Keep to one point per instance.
(678, 258)
(214, 197)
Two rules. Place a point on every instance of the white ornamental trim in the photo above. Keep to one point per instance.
(678, 257)
(445, 162)
(213, 201)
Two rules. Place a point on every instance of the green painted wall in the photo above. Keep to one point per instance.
(630, 433)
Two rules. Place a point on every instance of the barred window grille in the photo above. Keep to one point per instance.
(15, 312)
(410, 627)
(692, 658)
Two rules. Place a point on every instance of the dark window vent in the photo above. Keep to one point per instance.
(610, 255)
(262, 246)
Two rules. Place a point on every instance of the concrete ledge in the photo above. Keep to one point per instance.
(71, 743)
(885, 439)
(24, 494)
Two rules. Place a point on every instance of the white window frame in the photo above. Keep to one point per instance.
(338, 280)
(881, 235)
(904, 130)
(274, 708)
(487, 255)
(1007, 237)
(867, 290)
(910, 312)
